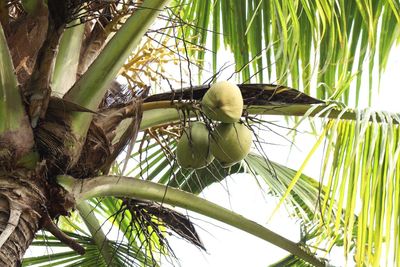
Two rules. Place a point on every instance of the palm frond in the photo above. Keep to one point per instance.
(146, 226)
(361, 151)
(98, 236)
(361, 172)
(145, 248)
(360, 176)
(290, 261)
(124, 252)
(298, 40)
(58, 254)
(107, 64)
(160, 165)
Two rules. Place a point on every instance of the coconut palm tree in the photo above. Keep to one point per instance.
(84, 139)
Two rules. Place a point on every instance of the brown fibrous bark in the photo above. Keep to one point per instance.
(22, 195)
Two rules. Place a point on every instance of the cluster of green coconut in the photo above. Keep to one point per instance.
(229, 142)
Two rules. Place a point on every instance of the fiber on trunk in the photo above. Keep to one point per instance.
(19, 191)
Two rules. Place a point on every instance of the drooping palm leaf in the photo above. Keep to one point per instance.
(123, 252)
(364, 177)
(147, 241)
(360, 175)
(145, 225)
(296, 40)
(96, 241)
(98, 236)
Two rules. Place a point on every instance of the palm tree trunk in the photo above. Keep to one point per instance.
(22, 202)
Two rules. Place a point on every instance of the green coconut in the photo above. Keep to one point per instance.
(230, 143)
(223, 102)
(193, 150)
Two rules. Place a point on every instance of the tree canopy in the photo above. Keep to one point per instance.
(101, 91)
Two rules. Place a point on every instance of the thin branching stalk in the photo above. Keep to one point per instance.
(98, 236)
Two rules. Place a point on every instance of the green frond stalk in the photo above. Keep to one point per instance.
(162, 112)
(100, 239)
(11, 109)
(136, 188)
(66, 65)
(91, 87)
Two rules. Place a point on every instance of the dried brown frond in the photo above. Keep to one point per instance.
(253, 94)
(116, 95)
(103, 144)
(13, 9)
(153, 218)
(115, 10)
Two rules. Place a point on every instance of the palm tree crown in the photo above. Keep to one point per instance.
(95, 97)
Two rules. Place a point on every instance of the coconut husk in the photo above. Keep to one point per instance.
(102, 146)
(51, 135)
(100, 149)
